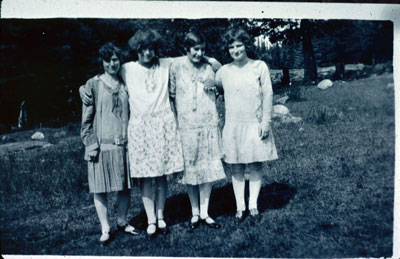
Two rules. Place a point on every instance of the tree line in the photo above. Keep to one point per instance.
(45, 61)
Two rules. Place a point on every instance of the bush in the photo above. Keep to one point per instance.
(323, 114)
(296, 92)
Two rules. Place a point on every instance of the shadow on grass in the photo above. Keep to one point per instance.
(222, 203)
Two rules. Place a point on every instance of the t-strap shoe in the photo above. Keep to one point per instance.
(105, 238)
(255, 214)
(193, 224)
(163, 228)
(150, 234)
(209, 222)
(128, 229)
(240, 216)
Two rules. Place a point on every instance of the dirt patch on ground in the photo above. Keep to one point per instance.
(21, 146)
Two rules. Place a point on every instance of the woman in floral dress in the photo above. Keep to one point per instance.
(155, 148)
(192, 87)
(104, 124)
(154, 145)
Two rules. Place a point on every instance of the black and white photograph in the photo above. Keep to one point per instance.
(199, 129)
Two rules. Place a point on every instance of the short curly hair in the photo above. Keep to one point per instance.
(107, 50)
(238, 34)
(145, 38)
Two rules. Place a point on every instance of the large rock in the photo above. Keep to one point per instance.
(282, 100)
(37, 135)
(279, 110)
(282, 115)
(325, 84)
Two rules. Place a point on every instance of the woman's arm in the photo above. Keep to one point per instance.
(267, 98)
(218, 82)
(215, 64)
(89, 139)
(172, 87)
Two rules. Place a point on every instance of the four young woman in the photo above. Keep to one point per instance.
(154, 143)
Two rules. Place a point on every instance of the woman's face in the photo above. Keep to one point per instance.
(146, 55)
(237, 50)
(112, 66)
(196, 53)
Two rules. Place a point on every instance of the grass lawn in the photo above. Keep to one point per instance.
(330, 194)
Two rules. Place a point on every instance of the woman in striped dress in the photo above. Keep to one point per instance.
(104, 124)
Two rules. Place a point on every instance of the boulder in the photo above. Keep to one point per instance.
(279, 110)
(37, 135)
(325, 84)
(282, 100)
(390, 86)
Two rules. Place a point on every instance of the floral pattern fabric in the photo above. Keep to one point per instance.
(197, 122)
(154, 143)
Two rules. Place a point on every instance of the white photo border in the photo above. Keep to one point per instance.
(37, 9)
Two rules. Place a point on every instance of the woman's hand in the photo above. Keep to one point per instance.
(209, 86)
(263, 130)
(93, 155)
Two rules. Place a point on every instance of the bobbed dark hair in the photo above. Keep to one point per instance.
(238, 34)
(146, 38)
(107, 50)
(193, 38)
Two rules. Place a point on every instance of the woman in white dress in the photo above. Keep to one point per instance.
(247, 135)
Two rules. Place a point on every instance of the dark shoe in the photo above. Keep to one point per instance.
(163, 230)
(240, 216)
(212, 224)
(255, 214)
(128, 229)
(194, 225)
(151, 236)
(105, 238)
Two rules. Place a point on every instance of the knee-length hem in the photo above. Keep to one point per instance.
(197, 122)
(115, 173)
(242, 145)
(248, 102)
(154, 146)
(104, 122)
(154, 143)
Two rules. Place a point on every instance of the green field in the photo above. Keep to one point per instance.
(330, 194)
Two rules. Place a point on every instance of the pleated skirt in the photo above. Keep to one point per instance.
(110, 172)
(242, 145)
